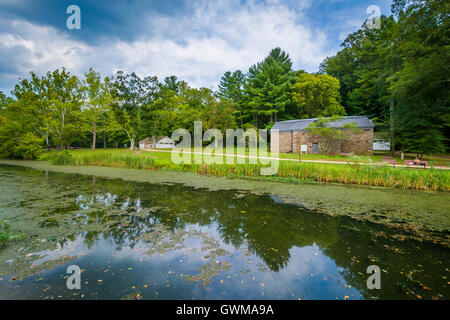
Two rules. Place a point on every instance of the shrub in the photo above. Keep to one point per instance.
(29, 147)
(63, 158)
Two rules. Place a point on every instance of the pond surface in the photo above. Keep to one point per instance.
(160, 241)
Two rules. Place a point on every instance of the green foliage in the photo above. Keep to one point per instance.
(267, 89)
(28, 147)
(62, 158)
(317, 96)
(231, 88)
(330, 137)
(403, 64)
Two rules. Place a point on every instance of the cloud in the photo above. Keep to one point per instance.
(199, 47)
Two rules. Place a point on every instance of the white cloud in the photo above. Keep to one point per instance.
(200, 48)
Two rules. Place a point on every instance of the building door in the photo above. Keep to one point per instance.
(315, 148)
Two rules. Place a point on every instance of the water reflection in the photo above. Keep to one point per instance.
(191, 243)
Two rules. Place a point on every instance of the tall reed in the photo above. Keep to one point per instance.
(373, 175)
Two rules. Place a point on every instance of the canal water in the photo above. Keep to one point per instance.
(168, 241)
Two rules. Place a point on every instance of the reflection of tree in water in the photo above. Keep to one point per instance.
(267, 229)
(127, 210)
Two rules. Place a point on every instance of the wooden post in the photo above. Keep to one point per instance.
(391, 126)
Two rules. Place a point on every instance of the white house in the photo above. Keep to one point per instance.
(160, 143)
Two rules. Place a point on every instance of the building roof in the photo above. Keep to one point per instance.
(300, 125)
(150, 140)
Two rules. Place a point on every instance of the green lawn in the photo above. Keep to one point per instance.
(289, 171)
(443, 160)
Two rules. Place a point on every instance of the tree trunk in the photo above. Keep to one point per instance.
(391, 126)
(242, 120)
(104, 141)
(116, 143)
(132, 142)
(94, 137)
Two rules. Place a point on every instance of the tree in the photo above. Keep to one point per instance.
(18, 139)
(267, 89)
(398, 74)
(219, 115)
(317, 96)
(421, 82)
(231, 87)
(65, 94)
(172, 84)
(331, 137)
(131, 96)
(32, 107)
(96, 104)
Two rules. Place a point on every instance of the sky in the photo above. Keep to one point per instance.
(196, 40)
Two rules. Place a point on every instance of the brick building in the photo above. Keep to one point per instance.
(291, 135)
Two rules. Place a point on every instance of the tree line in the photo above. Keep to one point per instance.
(395, 75)
(398, 75)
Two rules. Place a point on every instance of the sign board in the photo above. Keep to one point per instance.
(304, 148)
(381, 145)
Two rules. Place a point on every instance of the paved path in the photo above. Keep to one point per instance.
(292, 160)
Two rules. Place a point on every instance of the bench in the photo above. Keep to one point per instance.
(423, 164)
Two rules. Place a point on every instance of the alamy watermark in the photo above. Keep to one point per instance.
(374, 21)
(237, 143)
(74, 280)
(374, 281)
(74, 20)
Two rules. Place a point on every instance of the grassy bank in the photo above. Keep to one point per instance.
(383, 176)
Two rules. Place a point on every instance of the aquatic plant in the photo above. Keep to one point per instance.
(6, 236)
(352, 173)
